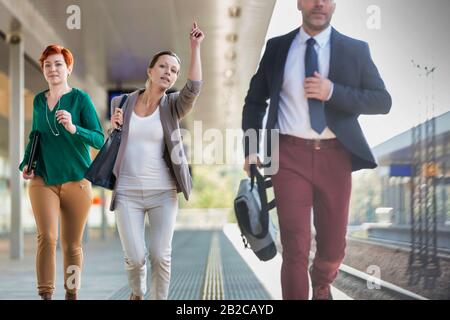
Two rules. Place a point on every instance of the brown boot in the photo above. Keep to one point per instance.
(71, 296)
(46, 296)
(135, 297)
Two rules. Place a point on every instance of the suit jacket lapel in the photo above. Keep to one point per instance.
(280, 61)
(334, 53)
(129, 107)
(131, 103)
(164, 116)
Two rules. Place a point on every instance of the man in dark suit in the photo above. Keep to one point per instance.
(319, 82)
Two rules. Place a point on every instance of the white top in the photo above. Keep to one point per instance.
(293, 113)
(143, 166)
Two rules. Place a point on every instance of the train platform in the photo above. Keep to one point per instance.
(209, 264)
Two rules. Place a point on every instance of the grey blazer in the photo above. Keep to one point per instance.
(172, 107)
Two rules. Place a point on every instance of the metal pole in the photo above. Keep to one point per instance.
(16, 139)
(104, 221)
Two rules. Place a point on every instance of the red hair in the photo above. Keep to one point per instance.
(57, 49)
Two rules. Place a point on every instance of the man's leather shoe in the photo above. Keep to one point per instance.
(322, 293)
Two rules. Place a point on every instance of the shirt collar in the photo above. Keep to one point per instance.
(321, 38)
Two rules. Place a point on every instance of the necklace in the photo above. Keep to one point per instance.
(54, 120)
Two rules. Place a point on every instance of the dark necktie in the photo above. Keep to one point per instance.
(316, 108)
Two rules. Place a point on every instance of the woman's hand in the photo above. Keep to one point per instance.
(195, 68)
(27, 175)
(65, 119)
(117, 118)
(196, 35)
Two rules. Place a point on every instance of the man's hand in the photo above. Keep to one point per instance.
(318, 87)
(251, 159)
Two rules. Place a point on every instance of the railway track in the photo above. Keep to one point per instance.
(360, 285)
(363, 286)
(397, 245)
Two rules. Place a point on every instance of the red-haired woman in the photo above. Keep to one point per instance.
(68, 124)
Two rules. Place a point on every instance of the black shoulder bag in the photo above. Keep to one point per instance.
(100, 173)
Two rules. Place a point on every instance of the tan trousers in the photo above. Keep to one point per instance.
(70, 202)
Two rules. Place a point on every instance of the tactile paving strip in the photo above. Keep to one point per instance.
(213, 283)
(191, 249)
(240, 283)
(189, 265)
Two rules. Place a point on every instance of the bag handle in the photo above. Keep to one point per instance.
(263, 183)
(122, 101)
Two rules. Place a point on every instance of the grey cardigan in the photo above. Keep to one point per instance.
(172, 107)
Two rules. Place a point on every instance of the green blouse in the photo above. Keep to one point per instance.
(65, 157)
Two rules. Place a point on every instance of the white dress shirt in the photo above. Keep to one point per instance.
(293, 113)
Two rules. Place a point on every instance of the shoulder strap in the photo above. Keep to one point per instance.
(122, 101)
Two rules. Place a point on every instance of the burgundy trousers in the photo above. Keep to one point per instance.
(313, 174)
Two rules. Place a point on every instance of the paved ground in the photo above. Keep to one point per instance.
(206, 264)
(103, 271)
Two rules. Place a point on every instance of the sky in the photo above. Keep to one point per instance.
(407, 30)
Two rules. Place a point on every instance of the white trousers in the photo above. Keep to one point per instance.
(162, 207)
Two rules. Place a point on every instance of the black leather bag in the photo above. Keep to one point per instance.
(100, 173)
(34, 152)
(252, 213)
